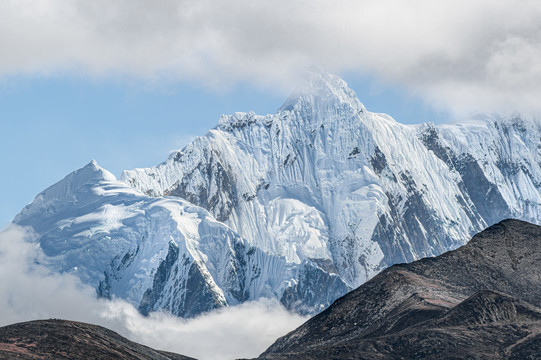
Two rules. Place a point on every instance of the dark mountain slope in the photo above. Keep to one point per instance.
(479, 301)
(61, 339)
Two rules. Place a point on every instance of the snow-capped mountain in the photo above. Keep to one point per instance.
(161, 253)
(326, 180)
(301, 205)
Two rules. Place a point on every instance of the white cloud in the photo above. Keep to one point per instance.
(29, 292)
(457, 55)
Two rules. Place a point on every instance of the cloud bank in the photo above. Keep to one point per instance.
(30, 292)
(457, 55)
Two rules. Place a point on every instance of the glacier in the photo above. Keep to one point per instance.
(301, 205)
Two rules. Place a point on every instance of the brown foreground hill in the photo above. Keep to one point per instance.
(481, 301)
(62, 339)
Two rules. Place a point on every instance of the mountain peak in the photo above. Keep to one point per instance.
(93, 170)
(93, 163)
(319, 86)
(65, 190)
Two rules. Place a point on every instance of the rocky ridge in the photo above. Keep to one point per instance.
(479, 301)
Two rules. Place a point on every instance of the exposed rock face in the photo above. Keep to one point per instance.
(480, 301)
(61, 339)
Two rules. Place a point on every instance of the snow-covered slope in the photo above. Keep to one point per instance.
(300, 205)
(326, 180)
(160, 253)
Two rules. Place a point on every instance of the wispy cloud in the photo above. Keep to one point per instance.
(457, 55)
(30, 291)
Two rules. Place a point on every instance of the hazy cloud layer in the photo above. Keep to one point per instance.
(460, 54)
(30, 292)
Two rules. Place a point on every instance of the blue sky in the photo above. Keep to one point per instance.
(126, 82)
(54, 125)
